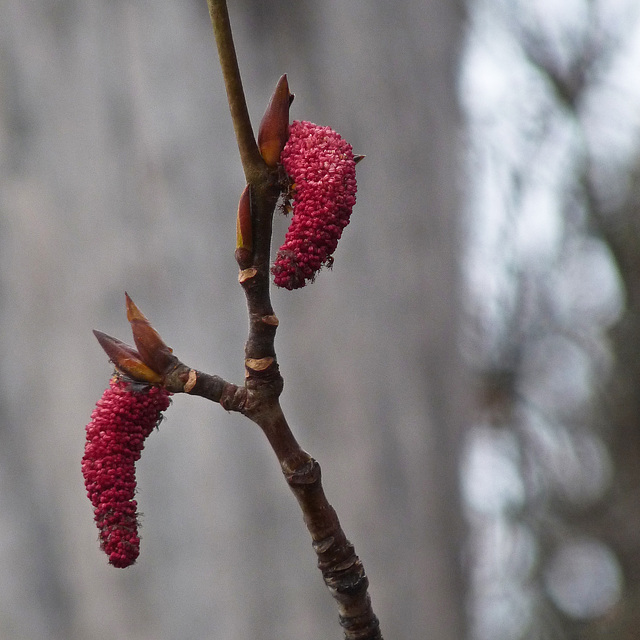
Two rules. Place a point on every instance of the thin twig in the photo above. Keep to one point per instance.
(252, 162)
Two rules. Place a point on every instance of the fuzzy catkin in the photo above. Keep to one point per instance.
(120, 423)
(321, 166)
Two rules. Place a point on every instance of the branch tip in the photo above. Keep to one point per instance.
(252, 162)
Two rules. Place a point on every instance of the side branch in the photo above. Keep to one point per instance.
(197, 383)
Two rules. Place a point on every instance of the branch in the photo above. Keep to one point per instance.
(152, 362)
(341, 568)
(252, 162)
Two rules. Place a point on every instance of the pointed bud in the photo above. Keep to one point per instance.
(358, 158)
(151, 347)
(244, 234)
(127, 359)
(274, 128)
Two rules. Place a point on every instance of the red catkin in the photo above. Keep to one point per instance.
(120, 423)
(321, 166)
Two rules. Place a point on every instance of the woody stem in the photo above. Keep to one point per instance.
(341, 569)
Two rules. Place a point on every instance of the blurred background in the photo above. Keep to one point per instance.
(467, 374)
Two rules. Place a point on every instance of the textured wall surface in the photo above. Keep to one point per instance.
(118, 172)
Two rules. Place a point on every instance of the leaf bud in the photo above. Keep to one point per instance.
(151, 347)
(274, 128)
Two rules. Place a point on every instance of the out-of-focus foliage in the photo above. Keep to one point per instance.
(551, 481)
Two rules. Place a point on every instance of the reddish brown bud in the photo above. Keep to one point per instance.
(244, 234)
(274, 128)
(127, 359)
(151, 347)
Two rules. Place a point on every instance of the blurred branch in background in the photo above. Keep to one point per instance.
(554, 283)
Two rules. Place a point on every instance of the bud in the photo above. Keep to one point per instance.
(127, 360)
(273, 132)
(244, 235)
(151, 347)
(120, 423)
(321, 166)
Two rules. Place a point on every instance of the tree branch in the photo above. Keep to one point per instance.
(252, 161)
(341, 568)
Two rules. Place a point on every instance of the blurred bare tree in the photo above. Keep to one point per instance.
(119, 171)
(553, 97)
